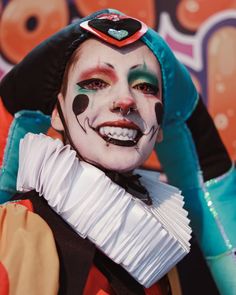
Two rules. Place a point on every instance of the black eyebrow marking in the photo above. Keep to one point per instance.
(135, 66)
(109, 65)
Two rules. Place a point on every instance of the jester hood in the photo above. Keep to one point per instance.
(35, 82)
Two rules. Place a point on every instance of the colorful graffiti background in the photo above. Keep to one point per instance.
(202, 34)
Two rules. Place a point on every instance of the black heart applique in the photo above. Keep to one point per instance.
(119, 29)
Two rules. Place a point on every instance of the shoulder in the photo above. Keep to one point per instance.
(27, 247)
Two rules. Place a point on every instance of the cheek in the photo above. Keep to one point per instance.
(159, 112)
(80, 104)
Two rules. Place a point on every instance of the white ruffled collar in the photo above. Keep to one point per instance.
(145, 240)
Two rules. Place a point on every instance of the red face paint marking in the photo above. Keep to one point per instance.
(121, 123)
(99, 70)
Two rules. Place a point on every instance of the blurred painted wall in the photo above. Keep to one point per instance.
(202, 33)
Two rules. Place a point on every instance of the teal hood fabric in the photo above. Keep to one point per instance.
(179, 94)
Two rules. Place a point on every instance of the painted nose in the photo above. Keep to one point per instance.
(125, 106)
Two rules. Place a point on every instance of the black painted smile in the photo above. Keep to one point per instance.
(121, 133)
(127, 143)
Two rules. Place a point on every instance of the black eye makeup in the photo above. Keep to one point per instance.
(147, 88)
(92, 84)
(144, 81)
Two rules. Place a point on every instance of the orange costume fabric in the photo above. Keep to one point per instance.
(26, 258)
(29, 262)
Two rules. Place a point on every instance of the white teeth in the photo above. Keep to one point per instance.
(101, 131)
(118, 133)
(124, 131)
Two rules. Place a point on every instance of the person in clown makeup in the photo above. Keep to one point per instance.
(113, 101)
(89, 222)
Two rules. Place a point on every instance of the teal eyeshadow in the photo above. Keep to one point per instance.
(143, 74)
(83, 90)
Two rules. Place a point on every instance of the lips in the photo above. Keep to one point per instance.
(121, 132)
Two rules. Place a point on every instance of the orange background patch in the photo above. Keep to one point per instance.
(25, 23)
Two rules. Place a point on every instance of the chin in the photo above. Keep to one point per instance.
(115, 157)
(118, 168)
(120, 162)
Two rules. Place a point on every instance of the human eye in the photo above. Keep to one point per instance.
(146, 88)
(93, 84)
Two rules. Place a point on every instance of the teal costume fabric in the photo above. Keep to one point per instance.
(211, 204)
(220, 196)
(23, 122)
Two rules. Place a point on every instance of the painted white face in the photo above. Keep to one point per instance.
(113, 104)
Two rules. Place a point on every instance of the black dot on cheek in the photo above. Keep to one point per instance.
(159, 112)
(80, 104)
